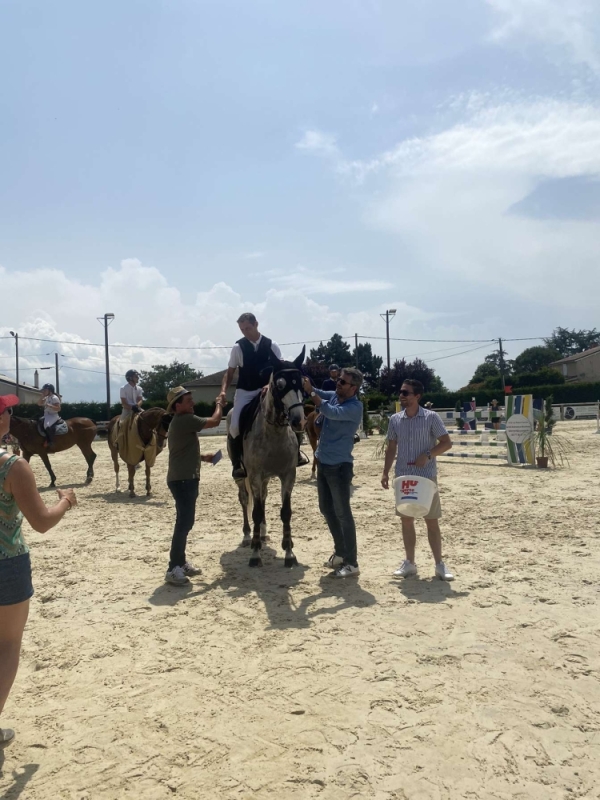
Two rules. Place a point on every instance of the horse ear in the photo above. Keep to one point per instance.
(300, 360)
(266, 373)
(277, 364)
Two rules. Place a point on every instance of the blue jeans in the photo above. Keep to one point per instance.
(185, 494)
(333, 485)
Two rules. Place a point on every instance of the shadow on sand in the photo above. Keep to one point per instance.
(20, 777)
(427, 590)
(272, 584)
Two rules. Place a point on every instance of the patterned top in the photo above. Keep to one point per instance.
(415, 435)
(11, 539)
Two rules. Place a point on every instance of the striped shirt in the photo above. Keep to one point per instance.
(415, 435)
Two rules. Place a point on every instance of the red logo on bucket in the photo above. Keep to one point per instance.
(408, 487)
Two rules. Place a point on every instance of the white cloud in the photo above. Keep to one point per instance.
(571, 25)
(448, 196)
(313, 282)
(319, 143)
(255, 254)
(46, 304)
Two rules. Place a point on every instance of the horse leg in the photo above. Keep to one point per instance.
(148, 487)
(314, 467)
(90, 457)
(131, 472)
(287, 543)
(244, 499)
(263, 524)
(258, 514)
(46, 460)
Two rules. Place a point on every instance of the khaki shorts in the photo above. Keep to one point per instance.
(435, 512)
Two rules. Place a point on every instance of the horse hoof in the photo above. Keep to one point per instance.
(290, 562)
(131, 494)
(246, 541)
(255, 561)
(88, 481)
(265, 538)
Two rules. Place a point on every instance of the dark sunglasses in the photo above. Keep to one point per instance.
(342, 382)
(404, 393)
(8, 409)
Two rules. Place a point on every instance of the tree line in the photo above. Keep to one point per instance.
(530, 368)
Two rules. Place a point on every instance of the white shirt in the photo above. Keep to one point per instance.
(50, 417)
(131, 394)
(236, 359)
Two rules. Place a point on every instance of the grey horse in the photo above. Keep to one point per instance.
(271, 451)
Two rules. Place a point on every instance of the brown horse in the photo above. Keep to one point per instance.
(82, 432)
(314, 432)
(154, 420)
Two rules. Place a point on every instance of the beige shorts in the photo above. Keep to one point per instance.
(435, 512)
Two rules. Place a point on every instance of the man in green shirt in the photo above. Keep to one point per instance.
(183, 476)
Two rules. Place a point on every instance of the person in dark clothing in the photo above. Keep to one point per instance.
(250, 356)
(330, 383)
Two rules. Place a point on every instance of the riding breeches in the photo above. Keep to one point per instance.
(240, 400)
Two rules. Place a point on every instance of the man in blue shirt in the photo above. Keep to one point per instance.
(342, 413)
(418, 435)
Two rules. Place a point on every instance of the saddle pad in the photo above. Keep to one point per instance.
(247, 416)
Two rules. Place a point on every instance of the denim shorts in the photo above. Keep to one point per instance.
(15, 580)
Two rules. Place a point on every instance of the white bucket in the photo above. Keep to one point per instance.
(414, 495)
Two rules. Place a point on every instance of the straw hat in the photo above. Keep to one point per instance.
(175, 394)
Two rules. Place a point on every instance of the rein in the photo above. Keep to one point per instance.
(282, 416)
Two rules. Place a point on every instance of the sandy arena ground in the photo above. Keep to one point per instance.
(287, 684)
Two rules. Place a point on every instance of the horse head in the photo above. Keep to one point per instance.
(285, 386)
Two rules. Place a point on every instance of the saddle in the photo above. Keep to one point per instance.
(59, 428)
(248, 415)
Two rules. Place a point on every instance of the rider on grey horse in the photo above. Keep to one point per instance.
(250, 355)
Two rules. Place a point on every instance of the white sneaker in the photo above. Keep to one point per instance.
(190, 569)
(176, 576)
(405, 569)
(442, 573)
(346, 571)
(333, 562)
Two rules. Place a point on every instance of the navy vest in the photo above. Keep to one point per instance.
(249, 376)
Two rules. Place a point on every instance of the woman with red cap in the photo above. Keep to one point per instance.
(19, 498)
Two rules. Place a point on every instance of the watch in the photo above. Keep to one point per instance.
(313, 394)
(428, 454)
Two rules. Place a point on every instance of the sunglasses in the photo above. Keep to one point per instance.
(342, 382)
(404, 393)
(8, 410)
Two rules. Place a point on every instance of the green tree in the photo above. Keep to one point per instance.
(368, 363)
(569, 343)
(484, 371)
(534, 359)
(391, 380)
(157, 381)
(336, 351)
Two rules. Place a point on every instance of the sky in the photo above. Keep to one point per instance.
(179, 162)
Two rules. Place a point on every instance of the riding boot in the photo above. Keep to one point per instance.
(303, 459)
(236, 449)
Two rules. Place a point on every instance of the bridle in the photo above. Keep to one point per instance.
(282, 382)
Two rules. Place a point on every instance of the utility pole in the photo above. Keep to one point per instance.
(104, 321)
(56, 371)
(356, 350)
(389, 314)
(501, 354)
(16, 338)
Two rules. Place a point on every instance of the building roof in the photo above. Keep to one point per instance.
(12, 382)
(216, 379)
(578, 356)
